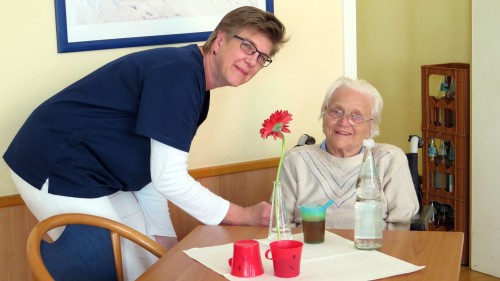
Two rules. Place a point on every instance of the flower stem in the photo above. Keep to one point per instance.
(276, 185)
(276, 209)
(281, 157)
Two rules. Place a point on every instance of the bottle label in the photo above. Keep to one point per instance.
(443, 87)
(452, 154)
(368, 219)
(431, 151)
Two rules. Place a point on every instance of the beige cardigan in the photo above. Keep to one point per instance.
(311, 175)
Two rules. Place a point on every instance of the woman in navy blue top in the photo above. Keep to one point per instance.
(116, 142)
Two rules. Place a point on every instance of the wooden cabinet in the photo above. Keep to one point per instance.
(445, 132)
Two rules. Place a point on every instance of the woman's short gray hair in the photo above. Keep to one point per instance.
(251, 18)
(364, 88)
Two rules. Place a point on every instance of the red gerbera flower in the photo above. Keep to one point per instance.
(276, 125)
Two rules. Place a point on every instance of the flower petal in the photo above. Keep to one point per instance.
(276, 124)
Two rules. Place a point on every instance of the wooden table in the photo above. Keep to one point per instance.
(439, 251)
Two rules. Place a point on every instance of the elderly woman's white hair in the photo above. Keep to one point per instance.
(364, 88)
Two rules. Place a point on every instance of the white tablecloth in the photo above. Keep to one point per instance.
(335, 259)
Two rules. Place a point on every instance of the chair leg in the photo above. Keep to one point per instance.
(117, 251)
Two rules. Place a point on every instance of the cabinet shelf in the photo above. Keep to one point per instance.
(442, 102)
(445, 132)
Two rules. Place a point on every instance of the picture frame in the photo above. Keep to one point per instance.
(104, 24)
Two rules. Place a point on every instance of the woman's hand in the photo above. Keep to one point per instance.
(256, 215)
(165, 241)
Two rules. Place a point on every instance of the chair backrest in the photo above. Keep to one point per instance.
(417, 182)
(412, 156)
(421, 219)
(88, 249)
(306, 139)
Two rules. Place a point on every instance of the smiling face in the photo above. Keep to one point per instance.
(230, 65)
(342, 138)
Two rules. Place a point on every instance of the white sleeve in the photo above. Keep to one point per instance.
(170, 177)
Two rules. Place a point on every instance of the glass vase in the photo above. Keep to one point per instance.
(279, 226)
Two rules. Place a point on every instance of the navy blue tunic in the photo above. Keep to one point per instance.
(93, 138)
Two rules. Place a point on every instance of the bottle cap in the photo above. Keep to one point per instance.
(370, 143)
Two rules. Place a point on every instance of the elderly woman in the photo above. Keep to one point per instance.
(351, 112)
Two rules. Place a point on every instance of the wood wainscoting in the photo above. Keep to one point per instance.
(16, 222)
(245, 184)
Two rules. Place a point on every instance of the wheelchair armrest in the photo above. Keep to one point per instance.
(422, 218)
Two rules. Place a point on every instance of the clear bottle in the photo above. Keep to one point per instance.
(451, 156)
(443, 88)
(434, 215)
(450, 94)
(431, 150)
(438, 116)
(443, 215)
(441, 155)
(442, 94)
(449, 183)
(368, 206)
(449, 118)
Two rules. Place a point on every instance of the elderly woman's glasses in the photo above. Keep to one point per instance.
(353, 119)
(250, 49)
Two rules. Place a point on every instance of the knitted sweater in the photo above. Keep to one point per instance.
(311, 175)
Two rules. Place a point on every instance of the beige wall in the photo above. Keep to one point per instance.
(394, 39)
(32, 71)
(485, 254)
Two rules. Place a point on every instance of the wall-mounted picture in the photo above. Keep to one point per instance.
(83, 25)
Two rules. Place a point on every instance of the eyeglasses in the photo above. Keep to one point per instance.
(250, 49)
(353, 119)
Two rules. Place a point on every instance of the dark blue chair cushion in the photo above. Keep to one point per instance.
(82, 253)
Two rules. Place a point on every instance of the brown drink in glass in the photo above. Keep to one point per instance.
(313, 223)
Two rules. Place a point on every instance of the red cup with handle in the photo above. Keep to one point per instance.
(246, 261)
(286, 255)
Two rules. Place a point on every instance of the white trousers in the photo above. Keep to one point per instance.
(123, 207)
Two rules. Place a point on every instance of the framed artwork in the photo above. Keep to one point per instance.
(83, 25)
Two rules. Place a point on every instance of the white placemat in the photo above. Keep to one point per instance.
(335, 259)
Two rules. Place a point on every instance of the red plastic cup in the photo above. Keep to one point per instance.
(246, 261)
(285, 255)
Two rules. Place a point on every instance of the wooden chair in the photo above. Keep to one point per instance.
(88, 249)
